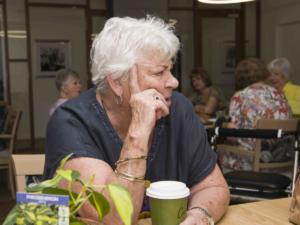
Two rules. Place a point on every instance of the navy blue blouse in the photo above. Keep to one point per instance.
(179, 150)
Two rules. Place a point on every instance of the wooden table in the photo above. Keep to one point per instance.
(269, 212)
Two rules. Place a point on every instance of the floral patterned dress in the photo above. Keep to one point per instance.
(247, 106)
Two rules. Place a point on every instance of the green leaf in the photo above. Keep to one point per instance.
(123, 202)
(63, 161)
(43, 218)
(59, 191)
(69, 175)
(47, 183)
(76, 221)
(20, 220)
(100, 204)
(30, 216)
(11, 217)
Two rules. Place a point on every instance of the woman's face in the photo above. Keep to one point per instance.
(155, 72)
(72, 88)
(276, 78)
(198, 83)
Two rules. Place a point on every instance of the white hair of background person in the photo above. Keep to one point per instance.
(123, 41)
(281, 64)
(64, 76)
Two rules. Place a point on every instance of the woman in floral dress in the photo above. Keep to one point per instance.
(255, 99)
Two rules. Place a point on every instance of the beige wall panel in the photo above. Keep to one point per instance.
(280, 32)
(55, 24)
(218, 39)
(98, 24)
(16, 14)
(17, 46)
(19, 96)
(98, 4)
(77, 2)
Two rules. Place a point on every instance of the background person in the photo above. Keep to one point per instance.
(255, 99)
(68, 84)
(207, 99)
(279, 69)
(132, 126)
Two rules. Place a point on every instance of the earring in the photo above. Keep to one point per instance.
(119, 100)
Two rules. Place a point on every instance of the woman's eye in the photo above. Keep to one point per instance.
(159, 73)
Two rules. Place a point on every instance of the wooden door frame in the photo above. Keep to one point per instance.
(240, 28)
(200, 14)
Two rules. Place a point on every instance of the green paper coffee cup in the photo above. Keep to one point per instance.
(168, 202)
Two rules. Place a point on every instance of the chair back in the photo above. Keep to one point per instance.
(10, 128)
(25, 165)
(285, 125)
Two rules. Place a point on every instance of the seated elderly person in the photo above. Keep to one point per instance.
(255, 99)
(207, 99)
(133, 114)
(279, 69)
(68, 84)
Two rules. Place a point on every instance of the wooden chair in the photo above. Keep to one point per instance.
(285, 125)
(8, 137)
(24, 165)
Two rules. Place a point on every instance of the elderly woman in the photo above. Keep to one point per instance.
(132, 126)
(208, 99)
(279, 69)
(68, 84)
(255, 99)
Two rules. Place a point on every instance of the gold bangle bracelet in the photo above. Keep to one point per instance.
(128, 159)
(128, 176)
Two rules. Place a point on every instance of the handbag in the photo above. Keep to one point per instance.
(295, 204)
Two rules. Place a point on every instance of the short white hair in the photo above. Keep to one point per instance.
(124, 41)
(281, 64)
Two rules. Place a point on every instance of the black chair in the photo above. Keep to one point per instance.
(248, 186)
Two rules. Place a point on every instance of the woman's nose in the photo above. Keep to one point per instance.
(172, 82)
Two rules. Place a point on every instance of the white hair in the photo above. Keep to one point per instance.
(124, 41)
(281, 64)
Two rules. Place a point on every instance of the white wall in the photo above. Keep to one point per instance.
(281, 32)
(46, 24)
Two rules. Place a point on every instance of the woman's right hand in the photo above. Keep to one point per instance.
(147, 106)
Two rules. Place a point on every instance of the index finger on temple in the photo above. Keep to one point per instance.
(133, 80)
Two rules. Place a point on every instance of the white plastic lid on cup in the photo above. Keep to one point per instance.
(168, 190)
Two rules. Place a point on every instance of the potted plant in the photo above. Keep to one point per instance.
(121, 199)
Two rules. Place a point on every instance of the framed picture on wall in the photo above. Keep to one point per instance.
(229, 52)
(229, 56)
(52, 55)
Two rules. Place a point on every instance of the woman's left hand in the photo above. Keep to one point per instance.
(195, 217)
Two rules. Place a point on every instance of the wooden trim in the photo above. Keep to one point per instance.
(30, 76)
(17, 60)
(52, 40)
(258, 28)
(197, 36)
(181, 8)
(55, 5)
(200, 13)
(97, 12)
(240, 34)
(220, 12)
(88, 35)
(6, 50)
(110, 8)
